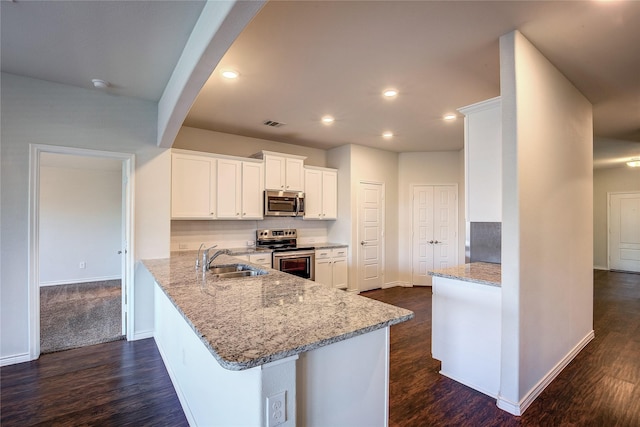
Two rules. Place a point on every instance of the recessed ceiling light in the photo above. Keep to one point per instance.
(387, 134)
(449, 116)
(634, 163)
(230, 74)
(327, 120)
(390, 93)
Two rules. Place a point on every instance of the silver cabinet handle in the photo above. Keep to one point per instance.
(431, 242)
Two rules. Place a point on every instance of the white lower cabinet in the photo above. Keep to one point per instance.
(331, 267)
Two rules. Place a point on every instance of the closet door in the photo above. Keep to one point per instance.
(435, 223)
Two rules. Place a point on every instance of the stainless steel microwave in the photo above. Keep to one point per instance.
(283, 203)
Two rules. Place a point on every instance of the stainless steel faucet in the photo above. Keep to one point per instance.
(206, 260)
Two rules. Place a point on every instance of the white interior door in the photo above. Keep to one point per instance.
(371, 236)
(422, 234)
(624, 231)
(435, 222)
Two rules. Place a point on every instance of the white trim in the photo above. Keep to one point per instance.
(33, 293)
(15, 359)
(601, 267)
(141, 335)
(519, 408)
(468, 384)
(76, 281)
(397, 283)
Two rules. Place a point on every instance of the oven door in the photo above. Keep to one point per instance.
(298, 263)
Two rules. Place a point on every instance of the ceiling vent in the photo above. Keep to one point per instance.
(273, 124)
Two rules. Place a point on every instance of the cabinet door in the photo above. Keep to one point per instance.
(229, 188)
(252, 189)
(329, 195)
(294, 175)
(313, 194)
(275, 170)
(323, 272)
(340, 279)
(193, 188)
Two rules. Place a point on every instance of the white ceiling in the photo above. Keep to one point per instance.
(132, 44)
(300, 60)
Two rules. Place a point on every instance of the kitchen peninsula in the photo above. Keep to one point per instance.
(466, 324)
(240, 349)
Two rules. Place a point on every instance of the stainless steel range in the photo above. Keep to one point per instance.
(287, 255)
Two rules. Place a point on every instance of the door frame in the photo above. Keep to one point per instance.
(383, 233)
(456, 214)
(609, 194)
(128, 185)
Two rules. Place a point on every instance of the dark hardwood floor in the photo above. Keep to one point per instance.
(601, 387)
(125, 383)
(118, 383)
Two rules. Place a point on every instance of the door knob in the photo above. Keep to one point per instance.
(363, 243)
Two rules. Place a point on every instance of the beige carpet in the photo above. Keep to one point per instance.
(80, 314)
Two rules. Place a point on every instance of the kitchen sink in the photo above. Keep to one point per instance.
(235, 270)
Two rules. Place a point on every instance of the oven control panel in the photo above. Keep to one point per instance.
(290, 233)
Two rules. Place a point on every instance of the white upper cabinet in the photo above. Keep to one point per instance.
(193, 186)
(483, 160)
(229, 189)
(321, 193)
(252, 190)
(208, 186)
(283, 172)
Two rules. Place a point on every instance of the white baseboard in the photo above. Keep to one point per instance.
(14, 359)
(600, 267)
(84, 280)
(397, 283)
(142, 335)
(519, 408)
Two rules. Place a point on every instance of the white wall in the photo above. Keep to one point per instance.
(547, 234)
(242, 146)
(446, 167)
(357, 163)
(80, 221)
(609, 180)
(39, 112)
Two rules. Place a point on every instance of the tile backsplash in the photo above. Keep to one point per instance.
(485, 243)
(188, 235)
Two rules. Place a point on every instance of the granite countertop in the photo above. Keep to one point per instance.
(247, 322)
(478, 272)
(328, 245)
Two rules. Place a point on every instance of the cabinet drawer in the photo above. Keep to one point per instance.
(323, 253)
(339, 252)
(262, 259)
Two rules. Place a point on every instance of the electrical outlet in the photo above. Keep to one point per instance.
(83, 265)
(251, 243)
(183, 246)
(277, 409)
